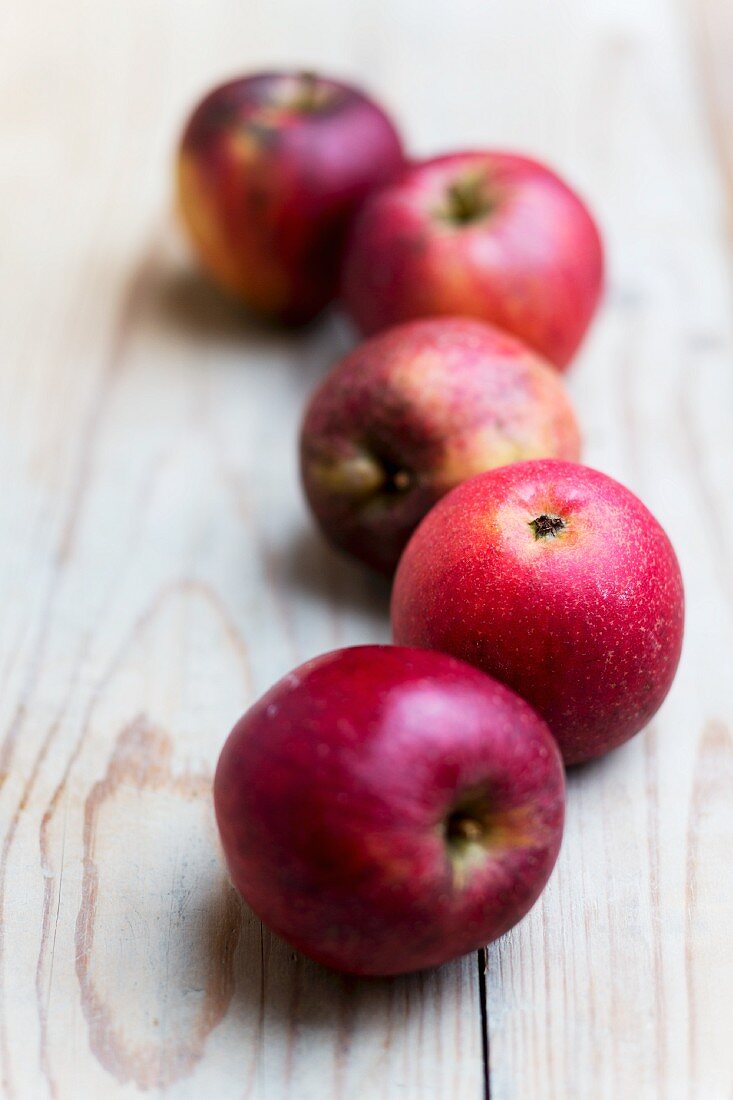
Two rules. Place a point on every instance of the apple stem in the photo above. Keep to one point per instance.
(359, 475)
(308, 86)
(467, 200)
(311, 95)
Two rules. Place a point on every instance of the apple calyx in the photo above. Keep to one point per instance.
(547, 525)
(467, 200)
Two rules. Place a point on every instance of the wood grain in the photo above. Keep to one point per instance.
(613, 986)
(711, 24)
(158, 570)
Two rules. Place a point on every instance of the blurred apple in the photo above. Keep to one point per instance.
(410, 414)
(483, 234)
(271, 170)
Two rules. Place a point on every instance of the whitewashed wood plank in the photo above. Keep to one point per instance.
(158, 571)
(615, 984)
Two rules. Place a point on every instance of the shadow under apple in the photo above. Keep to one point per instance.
(284, 1006)
(310, 566)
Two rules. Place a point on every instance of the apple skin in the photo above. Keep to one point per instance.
(414, 411)
(483, 234)
(271, 170)
(584, 622)
(386, 809)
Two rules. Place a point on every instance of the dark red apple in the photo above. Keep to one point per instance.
(271, 170)
(556, 580)
(410, 414)
(387, 809)
(484, 234)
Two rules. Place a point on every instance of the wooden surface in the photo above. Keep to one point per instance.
(158, 571)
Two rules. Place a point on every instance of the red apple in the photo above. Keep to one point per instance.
(271, 170)
(410, 414)
(483, 234)
(387, 809)
(558, 581)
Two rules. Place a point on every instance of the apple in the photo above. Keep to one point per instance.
(410, 414)
(271, 170)
(387, 809)
(483, 234)
(557, 580)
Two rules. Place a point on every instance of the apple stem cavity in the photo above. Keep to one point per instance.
(398, 481)
(461, 827)
(467, 200)
(468, 825)
(547, 526)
